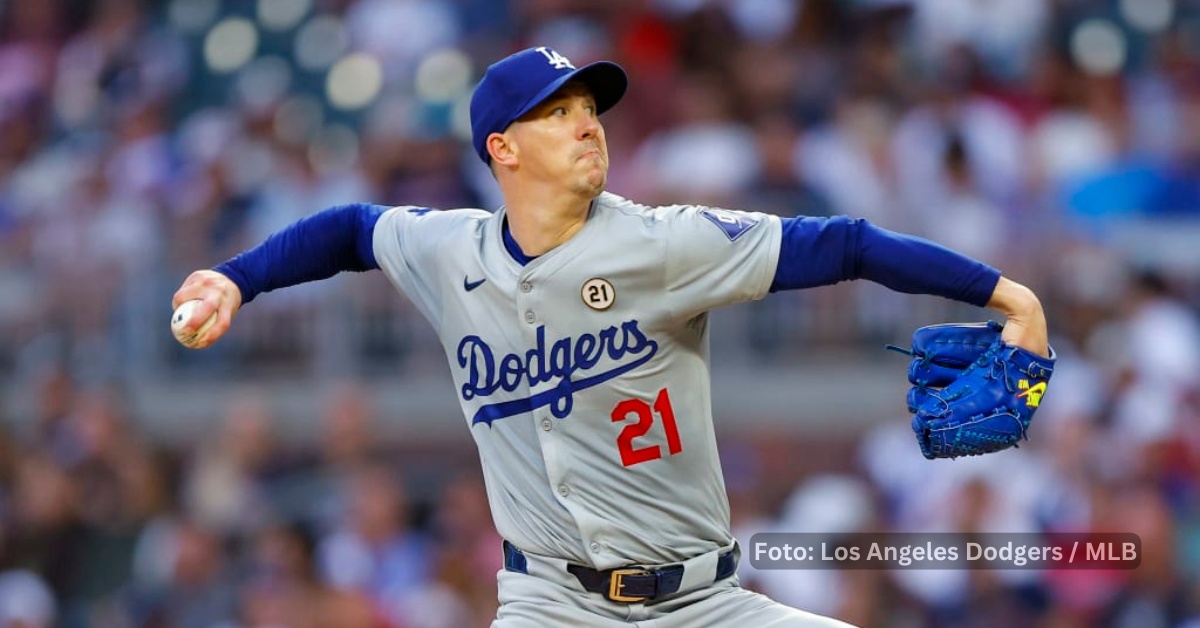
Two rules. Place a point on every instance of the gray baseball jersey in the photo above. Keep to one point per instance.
(584, 374)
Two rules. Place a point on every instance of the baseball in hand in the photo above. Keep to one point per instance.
(181, 316)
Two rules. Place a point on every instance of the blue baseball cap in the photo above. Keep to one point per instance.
(517, 83)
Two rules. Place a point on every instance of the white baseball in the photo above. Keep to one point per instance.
(181, 316)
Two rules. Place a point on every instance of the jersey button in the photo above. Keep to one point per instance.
(529, 316)
(564, 490)
(595, 547)
(547, 425)
(526, 286)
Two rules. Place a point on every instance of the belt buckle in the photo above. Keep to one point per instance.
(615, 585)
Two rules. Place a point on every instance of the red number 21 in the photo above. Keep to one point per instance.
(641, 410)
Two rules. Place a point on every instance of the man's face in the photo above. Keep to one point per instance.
(561, 140)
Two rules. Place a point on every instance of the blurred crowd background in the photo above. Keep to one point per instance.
(274, 481)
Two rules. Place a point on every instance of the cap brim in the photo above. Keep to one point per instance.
(606, 80)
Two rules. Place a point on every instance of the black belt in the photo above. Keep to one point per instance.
(631, 584)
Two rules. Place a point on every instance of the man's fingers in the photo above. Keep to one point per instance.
(186, 292)
(222, 324)
(215, 295)
(204, 309)
(197, 286)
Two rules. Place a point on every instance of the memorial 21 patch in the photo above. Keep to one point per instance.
(732, 224)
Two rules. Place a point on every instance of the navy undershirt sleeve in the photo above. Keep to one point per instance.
(825, 251)
(315, 247)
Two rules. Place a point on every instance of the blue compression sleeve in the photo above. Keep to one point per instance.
(315, 247)
(824, 251)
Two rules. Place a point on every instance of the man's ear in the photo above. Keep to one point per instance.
(501, 149)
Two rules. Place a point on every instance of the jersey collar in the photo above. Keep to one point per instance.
(514, 249)
(510, 245)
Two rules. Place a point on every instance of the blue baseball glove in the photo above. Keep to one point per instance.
(972, 394)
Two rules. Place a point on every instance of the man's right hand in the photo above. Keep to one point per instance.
(218, 293)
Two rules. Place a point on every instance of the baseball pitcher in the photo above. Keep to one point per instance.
(575, 325)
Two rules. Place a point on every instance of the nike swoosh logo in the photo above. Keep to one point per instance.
(469, 285)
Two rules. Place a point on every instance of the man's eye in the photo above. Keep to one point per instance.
(559, 111)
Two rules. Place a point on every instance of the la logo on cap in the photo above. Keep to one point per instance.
(558, 61)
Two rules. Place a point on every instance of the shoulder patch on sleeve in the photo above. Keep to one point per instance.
(732, 224)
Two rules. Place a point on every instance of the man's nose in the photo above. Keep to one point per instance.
(589, 126)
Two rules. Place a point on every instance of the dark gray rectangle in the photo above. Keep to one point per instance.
(935, 550)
